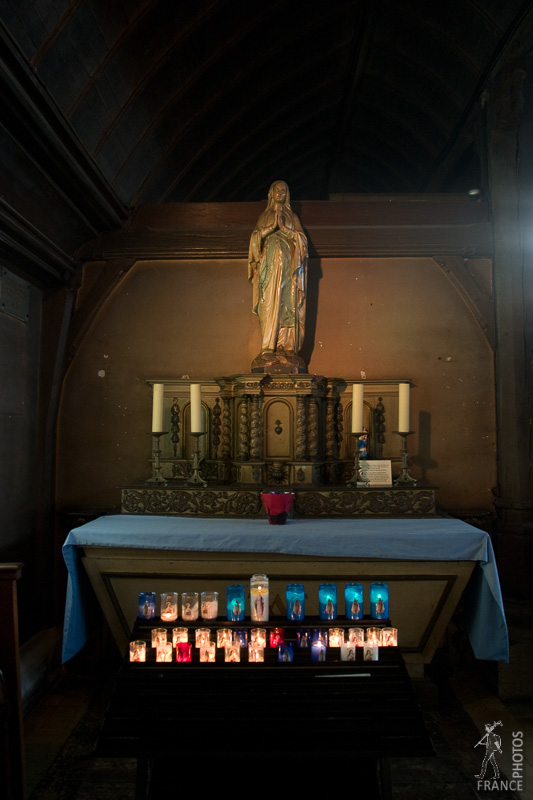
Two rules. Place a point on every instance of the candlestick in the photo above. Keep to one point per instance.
(403, 407)
(357, 478)
(195, 478)
(157, 470)
(357, 407)
(157, 406)
(196, 408)
(404, 476)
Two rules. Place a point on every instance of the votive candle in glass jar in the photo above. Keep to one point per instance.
(258, 636)
(303, 638)
(318, 651)
(137, 651)
(356, 636)
(183, 652)
(389, 637)
(232, 653)
(240, 637)
(295, 595)
(256, 654)
(164, 652)
(347, 651)
(179, 635)
(285, 653)
(353, 601)
(259, 598)
(208, 653)
(371, 652)
(235, 603)
(169, 606)
(146, 605)
(159, 636)
(319, 635)
(276, 636)
(327, 601)
(336, 637)
(209, 605)
(224, 637)
(379, 600)
(373, 636)
(202, 636)
(189, 605)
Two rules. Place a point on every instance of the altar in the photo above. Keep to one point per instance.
(430, 564)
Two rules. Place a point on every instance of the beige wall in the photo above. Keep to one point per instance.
(389, 318)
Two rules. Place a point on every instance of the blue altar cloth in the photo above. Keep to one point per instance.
(427, 539)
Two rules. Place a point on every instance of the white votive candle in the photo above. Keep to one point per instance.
(157, 407)
(196, 408)
(403, 408)
(357, 407)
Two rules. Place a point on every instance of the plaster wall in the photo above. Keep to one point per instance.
(373, 318)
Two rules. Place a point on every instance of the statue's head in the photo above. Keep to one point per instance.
(279, 193)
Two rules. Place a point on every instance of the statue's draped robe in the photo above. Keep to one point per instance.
(278, 271)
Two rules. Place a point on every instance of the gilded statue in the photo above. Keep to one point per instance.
(277, 268)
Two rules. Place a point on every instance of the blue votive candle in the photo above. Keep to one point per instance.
(353, 601)
(146, 605)
(235, 603)
(379, 600)
(285, 652)
(295, 601)
(327, 601)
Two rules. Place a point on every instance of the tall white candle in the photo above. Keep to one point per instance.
(157, 407)
(357, 408)
(403, 408)
(196, 408)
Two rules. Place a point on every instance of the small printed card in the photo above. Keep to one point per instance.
(376, 473)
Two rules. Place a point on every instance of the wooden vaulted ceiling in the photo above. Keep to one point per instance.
(158, 101)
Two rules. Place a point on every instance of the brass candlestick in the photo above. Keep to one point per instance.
(196, 479)
(405, 476)
(357, 478)
(157, 470)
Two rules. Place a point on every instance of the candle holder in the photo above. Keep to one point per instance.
(196, 479)
(405, 476)
(357, 478)
(157, 474)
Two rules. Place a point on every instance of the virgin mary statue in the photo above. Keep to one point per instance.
(277, 268)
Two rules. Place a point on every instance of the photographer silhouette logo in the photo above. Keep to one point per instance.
(492, 742)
